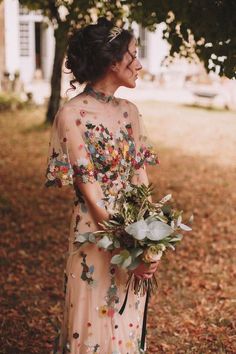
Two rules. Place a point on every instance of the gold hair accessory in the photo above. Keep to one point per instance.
(114, 32)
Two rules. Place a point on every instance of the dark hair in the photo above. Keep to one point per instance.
(89, 52)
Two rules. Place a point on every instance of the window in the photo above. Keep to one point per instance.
(143, 43)
(24, 39)
(23, 10)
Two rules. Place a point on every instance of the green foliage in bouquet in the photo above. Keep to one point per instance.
(139, 230)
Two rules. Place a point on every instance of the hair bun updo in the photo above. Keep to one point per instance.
(89, 52)
(104, 22)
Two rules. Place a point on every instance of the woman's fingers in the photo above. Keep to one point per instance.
(154, 265)
(145, 271)
(138, 276)
(146, 276)
(151, 269)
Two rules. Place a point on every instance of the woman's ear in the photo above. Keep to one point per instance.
(114, 67)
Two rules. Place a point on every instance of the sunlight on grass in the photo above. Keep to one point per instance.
(193, 310)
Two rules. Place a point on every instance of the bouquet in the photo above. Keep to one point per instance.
(138, 231)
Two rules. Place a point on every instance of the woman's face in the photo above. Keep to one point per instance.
(126, 71)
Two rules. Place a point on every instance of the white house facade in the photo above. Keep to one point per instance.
(27, 50)
(28, 43)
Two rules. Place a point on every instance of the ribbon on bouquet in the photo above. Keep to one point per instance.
(144, 325)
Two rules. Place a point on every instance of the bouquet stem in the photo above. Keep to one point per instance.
(142, 287)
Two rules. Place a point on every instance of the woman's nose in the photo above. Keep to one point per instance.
(139, 65)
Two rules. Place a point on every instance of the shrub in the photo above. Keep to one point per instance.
(10, 102)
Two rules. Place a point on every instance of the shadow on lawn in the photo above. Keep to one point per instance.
(193, 310)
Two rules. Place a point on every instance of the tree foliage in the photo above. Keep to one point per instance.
(76, 13)
(203, 29)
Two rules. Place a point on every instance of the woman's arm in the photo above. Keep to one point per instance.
(74, 147)
(93, 193)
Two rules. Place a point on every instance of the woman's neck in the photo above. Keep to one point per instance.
(107, 87)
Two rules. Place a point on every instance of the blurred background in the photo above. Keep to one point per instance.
(186, 94)
(27, 55)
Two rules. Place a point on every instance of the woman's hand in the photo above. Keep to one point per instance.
(145, 271)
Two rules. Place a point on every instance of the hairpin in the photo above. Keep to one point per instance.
(114, 32)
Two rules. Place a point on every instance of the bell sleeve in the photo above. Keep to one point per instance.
(145, 153)
(68, 157)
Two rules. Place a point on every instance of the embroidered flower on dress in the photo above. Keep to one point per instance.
(109, 157)
(59, 172)
(87, 272)
(103, 311)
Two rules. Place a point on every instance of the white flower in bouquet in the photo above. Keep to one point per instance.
(159, 230)
(153, 253)
(139, 229)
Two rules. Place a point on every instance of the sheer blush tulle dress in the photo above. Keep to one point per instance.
(98, 140)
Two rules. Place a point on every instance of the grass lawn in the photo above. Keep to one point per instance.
(194, 308)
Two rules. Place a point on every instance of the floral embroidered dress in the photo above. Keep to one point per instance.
(97, 141)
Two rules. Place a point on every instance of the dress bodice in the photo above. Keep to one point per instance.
(100, 140)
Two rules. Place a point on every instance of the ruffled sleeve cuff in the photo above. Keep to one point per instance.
(145, 155)
(61, 173)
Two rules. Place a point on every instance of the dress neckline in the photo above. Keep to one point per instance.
(99, 95)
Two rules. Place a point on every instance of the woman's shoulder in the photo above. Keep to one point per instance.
(75, 103)
(73, 108)
(129, 104)
(130, 108)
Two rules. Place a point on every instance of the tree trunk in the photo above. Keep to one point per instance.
(60, 48)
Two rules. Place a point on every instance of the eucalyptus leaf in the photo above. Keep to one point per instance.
(191, 218)
(185, 227)
(158, 230)
(117, 259)
(92, 238)
(169, 245)
(166, 199)
(82, 237)
(134, 264)
(116, 244)
(136, 252)
(179, 220)
(114, 222)
(176, 238)
(125, 254)
(162, 218)
(126, 262)
(104, 242)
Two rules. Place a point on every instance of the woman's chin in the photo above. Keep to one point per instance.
(130, 84)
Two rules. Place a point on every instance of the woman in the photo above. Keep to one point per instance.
(97, 147)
